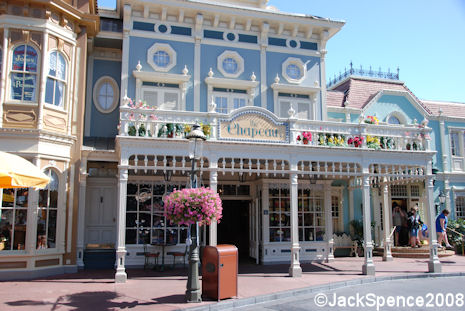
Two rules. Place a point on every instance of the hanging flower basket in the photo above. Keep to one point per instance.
(188, 206)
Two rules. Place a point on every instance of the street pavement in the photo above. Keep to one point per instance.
(446, 293)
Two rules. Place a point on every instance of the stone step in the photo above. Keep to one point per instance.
(408, 252)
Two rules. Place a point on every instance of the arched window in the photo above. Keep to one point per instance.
(56, 80)
(393, 120)
(24, 73)
(47, 213)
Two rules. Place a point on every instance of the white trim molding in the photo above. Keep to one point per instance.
(165, 48)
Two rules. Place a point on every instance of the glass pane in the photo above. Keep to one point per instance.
(144, 236)
(151, 98)
(309, 234)
(161, 58)
(31, 59)
(308, 219)
(8, 199)
(43, 198)
(132, 189)
(274, 219)
(158, 189)
(61, 67)
(183, 234)
(41, 228)
(393, 120)
(284, 108)
(49, 88)
(172, 236)
(52, 64)
(170, 101)
(59, 94)
(6, 225)
(158, 221)
(131, 220)
(221, 104)
(144, 219)
(22, 197)
(239, 102)
(131, 236)
(293, 72)
(52, 228)
(158, 236)
(131, 204)
(17, 80)
(157, 204)
(53, 199)
(29, 87)
(303, 111)
(286, 234)
(230, 65)
(18, 58)
(275, 235)
(320, 234)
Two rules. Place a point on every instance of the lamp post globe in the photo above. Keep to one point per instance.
(193, 292)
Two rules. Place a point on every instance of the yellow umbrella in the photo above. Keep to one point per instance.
(17, 172)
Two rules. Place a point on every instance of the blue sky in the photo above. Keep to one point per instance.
(425, 38)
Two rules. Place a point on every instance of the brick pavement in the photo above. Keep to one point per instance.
(153, 290)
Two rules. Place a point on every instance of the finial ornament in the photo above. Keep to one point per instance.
(276, 80)
(210, 73)
(253, 77)
(185, 71)
(138, 66)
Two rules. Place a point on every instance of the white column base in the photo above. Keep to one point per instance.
(434, 265)
(330, 256)
(295, 270)
(121, 276)
(368, 269)
(387, 255)
(80, 258)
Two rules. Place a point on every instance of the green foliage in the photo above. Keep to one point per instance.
(454, 238)
(132, 130)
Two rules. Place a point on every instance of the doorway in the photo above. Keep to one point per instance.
(234, 226)
(403, 234)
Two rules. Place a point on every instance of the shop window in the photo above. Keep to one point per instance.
(336, 210)
(47, 213)
(23, 76)
(106, 94)
(300, 103)
(13, 218)
(145, 220)
(161, 95)
(310, 215)
(227, 100)
(55, 89)
(460, 206)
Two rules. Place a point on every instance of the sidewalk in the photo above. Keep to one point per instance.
(152, 290)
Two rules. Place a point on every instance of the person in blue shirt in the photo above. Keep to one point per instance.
(441, 227)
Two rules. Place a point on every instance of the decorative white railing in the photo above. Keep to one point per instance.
(148, 122)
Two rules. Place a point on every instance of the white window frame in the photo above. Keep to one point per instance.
(180, 79)
(297, 62)
(10, 71)
(311, 91)
(458, 160)
(294, 103)
(234, 55)
(459, 209)
(161, 91)
(56, 79)
(230, 96)
(98, 84)
(161, 47)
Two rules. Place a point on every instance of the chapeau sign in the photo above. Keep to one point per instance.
(253, 125)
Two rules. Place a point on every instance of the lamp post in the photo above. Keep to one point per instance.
(193, 292)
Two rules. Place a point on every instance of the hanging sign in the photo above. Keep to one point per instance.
(253, 126)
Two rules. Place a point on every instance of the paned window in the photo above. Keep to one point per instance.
(230, 65)
(47, 213)
(460, 206)
(393, 120)
(299, 102)
(454, 144)
(161, 58)
(399, 191)
(161, 95)
(23, 74)
(293, 71)
(227, 100)
(336, 210)
(56, 80)
(145, 222)
(13, 219)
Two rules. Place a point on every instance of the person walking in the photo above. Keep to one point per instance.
(441, 227)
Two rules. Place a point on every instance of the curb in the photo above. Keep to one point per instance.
(250, 301)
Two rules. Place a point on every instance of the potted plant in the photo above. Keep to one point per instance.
(206, 128)
(305, 138)
(190, 205)
(372, 120)
(132, 130)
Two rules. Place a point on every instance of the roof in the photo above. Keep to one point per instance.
(357, 91)
(449, 109)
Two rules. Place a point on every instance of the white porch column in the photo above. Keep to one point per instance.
(31, 224)
(214, 186)
(368, 267)
(81, 213)
(294, 270)
(121, 276)
(3, 76)
(387, 256)
(433, 265)
(351, 204)
(328, 222)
